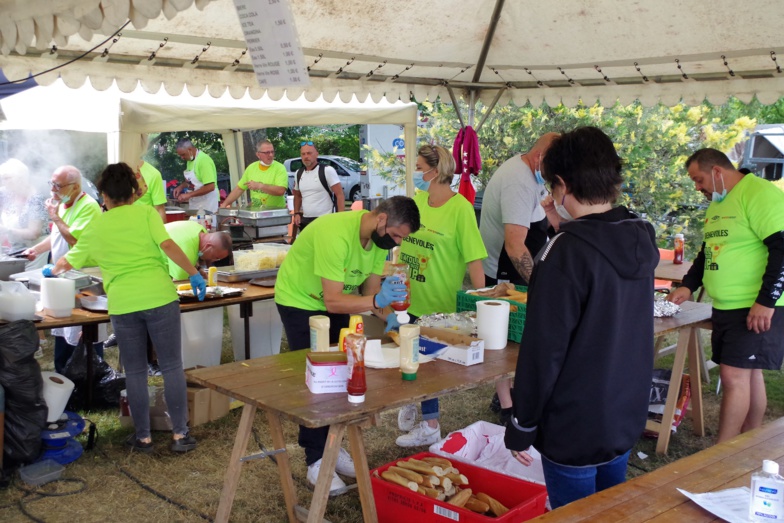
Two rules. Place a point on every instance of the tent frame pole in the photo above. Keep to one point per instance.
(490, 109)
(480, 63)
(454, 104)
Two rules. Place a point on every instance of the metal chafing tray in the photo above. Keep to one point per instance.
(263, 217)
(228, 274)
(33, 279)
(228, 212)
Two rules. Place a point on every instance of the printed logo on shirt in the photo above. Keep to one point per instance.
(714, 234)
(419, 243)
(417, 265)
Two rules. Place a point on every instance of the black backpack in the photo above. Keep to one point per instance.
(323, 180)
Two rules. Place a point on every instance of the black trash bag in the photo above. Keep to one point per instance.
(107, 382)
(25, 407)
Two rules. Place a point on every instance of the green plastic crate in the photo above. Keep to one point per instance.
(467, 302)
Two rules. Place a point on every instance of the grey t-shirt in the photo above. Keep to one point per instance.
(512, 196)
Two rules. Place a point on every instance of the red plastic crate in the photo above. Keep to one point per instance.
(395, 503)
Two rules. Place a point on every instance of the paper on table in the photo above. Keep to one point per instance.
(387, 356)
(731, 504)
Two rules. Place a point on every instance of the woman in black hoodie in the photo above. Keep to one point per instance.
(584, 370)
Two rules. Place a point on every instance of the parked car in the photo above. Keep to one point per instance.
(348, 170)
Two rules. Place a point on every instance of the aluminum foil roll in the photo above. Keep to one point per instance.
(664, 309)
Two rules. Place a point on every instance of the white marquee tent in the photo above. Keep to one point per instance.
(127, 118)
(518, 50)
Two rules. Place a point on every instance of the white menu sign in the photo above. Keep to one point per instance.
(273, 44)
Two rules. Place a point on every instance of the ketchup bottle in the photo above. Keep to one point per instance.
(678, 253)
(400, 271)
(355, 353)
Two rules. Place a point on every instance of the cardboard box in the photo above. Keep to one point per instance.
(451, 346)
(198, 405)
(395, 503)
(219, 405)
(326, 372)
(159, 417)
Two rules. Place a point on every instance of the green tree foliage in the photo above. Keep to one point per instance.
(162, 154)
(338, 140)
(653, 142)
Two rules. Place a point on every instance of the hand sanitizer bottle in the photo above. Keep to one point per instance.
(767, 494)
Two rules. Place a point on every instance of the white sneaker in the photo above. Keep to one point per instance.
(345, 464)
(338, 486)
(420, 435)
(406, 418)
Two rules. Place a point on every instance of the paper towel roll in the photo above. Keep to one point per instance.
(57, 391)
(58, 296)
(492, 323)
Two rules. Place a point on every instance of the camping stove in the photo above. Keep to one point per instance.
(59, 439)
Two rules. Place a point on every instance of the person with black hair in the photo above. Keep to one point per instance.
(584, 370)
(126, 243)
(336, 255)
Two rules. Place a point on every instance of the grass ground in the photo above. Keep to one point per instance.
(111, 484)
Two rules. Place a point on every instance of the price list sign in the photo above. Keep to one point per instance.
(273, 45)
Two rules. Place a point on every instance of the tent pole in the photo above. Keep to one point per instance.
(471, 107)
(480, 63)
(454, 104)
(490, 109)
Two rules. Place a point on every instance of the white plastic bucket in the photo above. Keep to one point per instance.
(16, 302)
(265, 330)
(58, 296)
(202, 335)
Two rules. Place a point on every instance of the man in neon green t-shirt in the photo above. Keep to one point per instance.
(335, 256)
(155, 194)
(267, 180)
(741, 264)
(200, 175)
(197, 244)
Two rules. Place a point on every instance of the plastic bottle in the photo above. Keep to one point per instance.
(319, 333)
(409, 351)
(400, 270)
(767, 494)
(355, 352)
(356, 324)
(212, 274)
(678, 254)
(345, 331)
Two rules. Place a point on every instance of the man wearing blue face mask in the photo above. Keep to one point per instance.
(197, 244)
(70, 210)
(741, 265)
(333, 258)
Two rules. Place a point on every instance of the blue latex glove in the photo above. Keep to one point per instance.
(392, 323)
(391, 290)
(47, 270)
(199, 286)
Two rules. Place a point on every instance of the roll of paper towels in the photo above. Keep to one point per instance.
(57, 391)
(492, 323)
(58, 296)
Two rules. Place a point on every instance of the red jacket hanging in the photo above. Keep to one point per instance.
(468, 160)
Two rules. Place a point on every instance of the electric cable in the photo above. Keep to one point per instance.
(69, 62)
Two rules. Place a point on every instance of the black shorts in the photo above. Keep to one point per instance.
(735, 345)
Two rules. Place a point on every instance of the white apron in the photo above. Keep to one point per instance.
(208, 202)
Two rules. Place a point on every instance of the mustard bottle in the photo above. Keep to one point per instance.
(345, 331)
(319, 333)
(356, 324)
(409, 351)
(212, 274)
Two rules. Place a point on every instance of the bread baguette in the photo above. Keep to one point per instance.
(460, 498)
(399, 480)
(495, 506)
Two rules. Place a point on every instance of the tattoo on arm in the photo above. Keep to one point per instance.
(524, 265)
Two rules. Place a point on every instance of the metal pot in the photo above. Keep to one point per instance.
(175, 214)
(9, 266)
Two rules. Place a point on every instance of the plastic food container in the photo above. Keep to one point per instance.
(41, 472)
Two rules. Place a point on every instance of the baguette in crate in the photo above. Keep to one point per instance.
(516, 295)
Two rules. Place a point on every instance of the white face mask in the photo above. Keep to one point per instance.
(264, 164)
(562, 212)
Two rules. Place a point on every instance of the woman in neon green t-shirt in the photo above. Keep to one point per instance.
(125, 242)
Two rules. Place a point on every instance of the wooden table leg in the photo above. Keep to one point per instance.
(696, 362)
(665, 430)
(318, 505)
(89, 337)
(284, 465)
(357, 446)
(232, 478)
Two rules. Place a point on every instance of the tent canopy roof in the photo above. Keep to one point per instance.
(535, 51)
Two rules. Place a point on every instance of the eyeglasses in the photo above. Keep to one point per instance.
(265, 152)
(305, 143)
(57, 186)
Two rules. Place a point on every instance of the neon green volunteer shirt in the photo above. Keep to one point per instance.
(735, 257)
(438, 253)
(204, 169)
(328, 248)
(125, 243)
(80, 214)
(275, 174)
(155, 194)
(186, 235)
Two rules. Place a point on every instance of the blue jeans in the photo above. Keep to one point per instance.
(430, 409)
(566, 484)
(163, 325)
